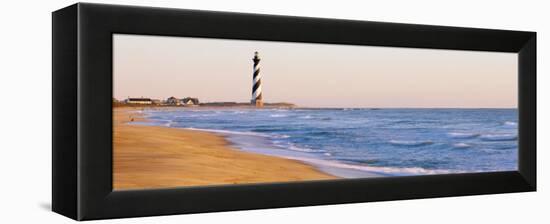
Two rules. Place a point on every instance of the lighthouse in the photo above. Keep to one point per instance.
(256, 83)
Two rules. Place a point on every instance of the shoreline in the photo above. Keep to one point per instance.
(162, 157)
(261, 145)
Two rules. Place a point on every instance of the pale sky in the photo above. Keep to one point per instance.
(312, 75)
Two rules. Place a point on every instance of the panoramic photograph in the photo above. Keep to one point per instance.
(190, 112)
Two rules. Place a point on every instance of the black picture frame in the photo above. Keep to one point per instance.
(82, 110)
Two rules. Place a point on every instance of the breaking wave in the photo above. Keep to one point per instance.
(499, 137)
(462, 135)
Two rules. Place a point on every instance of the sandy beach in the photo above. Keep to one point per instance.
(161, 157)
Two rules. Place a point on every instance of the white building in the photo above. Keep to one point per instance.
(189, 101)
(173, 101)
(139, 101)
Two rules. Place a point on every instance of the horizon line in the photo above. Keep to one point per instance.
(325, 107)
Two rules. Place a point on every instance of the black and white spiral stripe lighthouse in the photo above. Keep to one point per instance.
(256, 83)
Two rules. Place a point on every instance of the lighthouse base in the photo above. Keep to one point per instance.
(257, 103)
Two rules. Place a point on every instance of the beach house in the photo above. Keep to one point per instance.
(173, 101)
(189, 101)
(139, 101)
(156, 102)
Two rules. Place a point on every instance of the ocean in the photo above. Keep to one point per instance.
(353, 143)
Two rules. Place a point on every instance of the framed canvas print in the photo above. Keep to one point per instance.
(168, 111)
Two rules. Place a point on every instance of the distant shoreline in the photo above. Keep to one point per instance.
(211, 104)
(293, 106)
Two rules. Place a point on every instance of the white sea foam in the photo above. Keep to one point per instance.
(510, 123)
(279, 109)
(375, 169)
(330, 165)
(230, 132)
(299, 149)
(461, 145)
(292, 147)
(278, 115)
(462, 135)
(156, 122)
(499, 137)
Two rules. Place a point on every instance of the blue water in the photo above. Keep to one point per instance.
(361, 141)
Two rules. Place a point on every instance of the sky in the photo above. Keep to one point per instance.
(312, 75)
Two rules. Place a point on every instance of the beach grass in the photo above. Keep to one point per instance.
(161, 157)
